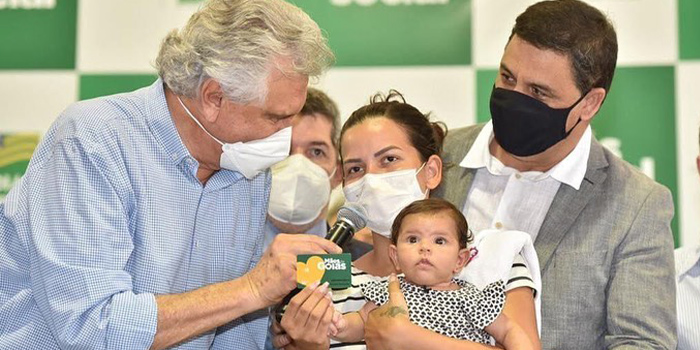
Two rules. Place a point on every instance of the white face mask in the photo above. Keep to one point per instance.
(252, 157)
(384, 196)
(300, 190)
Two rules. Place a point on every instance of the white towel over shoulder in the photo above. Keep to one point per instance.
(497, 249)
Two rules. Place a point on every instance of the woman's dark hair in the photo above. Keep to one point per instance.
(424, 135)
(434, 206)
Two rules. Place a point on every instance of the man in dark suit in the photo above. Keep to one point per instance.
(601, 228)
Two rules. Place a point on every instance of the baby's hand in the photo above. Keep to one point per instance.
(338, 324)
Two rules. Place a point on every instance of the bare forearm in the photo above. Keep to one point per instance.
(517, 339)
(183, 316)
(354, 330)
(509, 334)
(520, 309)
(418, 338)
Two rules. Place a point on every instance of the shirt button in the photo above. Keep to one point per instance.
(518, 176)
(196, 244)
(499, 225)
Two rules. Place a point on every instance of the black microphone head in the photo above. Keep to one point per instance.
(354, 214)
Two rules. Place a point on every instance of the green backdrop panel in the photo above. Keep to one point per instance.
(689, 28)
(36, 37)
(92, 86)
(394, 32)
(485, 78)
(640, 112)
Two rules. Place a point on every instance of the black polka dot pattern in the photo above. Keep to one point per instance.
(461, 313)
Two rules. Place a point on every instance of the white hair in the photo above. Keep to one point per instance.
(237, 43)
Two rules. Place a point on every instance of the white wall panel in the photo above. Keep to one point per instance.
(124, 35)
(445, 91)
(32, 100)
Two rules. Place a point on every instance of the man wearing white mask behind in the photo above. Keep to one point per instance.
(139, 221)
(302, 183)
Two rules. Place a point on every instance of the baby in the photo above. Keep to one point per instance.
(429, 245)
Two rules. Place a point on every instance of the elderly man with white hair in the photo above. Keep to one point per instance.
(139, 221)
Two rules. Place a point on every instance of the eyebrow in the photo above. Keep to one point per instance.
(505, 68)
(385, 149)
(376, 154)
(442, 234)
(539, 86)
(319, 143)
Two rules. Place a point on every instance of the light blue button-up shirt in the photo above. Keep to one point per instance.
(688, 294)
(109, 214)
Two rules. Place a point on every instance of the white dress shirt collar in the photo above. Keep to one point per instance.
(571, 170)
(687, 258)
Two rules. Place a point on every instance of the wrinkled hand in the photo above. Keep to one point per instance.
(385, 324)
(275, 274)
(306, 320)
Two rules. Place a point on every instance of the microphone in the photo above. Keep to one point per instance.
(351, 218)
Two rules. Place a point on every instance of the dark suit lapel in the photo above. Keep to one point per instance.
(568, 205)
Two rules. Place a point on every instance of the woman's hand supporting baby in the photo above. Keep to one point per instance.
(384, 325)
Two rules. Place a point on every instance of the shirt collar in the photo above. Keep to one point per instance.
(571, 170)
(161, 123)
(686, 259)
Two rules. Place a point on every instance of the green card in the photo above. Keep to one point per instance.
(331, 268)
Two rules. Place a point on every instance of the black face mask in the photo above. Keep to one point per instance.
(525, 126)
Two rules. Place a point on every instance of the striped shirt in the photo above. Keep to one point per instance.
(688, 297)
(110, 214)
(352, 299)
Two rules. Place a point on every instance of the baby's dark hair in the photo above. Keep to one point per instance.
(434, 206)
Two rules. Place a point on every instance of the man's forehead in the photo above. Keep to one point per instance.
(286, 92)
(314, 126)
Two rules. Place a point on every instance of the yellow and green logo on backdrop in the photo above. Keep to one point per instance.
(15, 152)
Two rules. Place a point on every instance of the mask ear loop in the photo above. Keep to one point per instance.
(579, 118)
(425, 193)
(421, 167)
(197, 121)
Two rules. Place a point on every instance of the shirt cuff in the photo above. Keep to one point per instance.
(133, 319)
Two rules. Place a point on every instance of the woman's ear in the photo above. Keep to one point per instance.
(211, 99)
(462, 260)
(393, 255)
(591, 103)
(433, 172)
